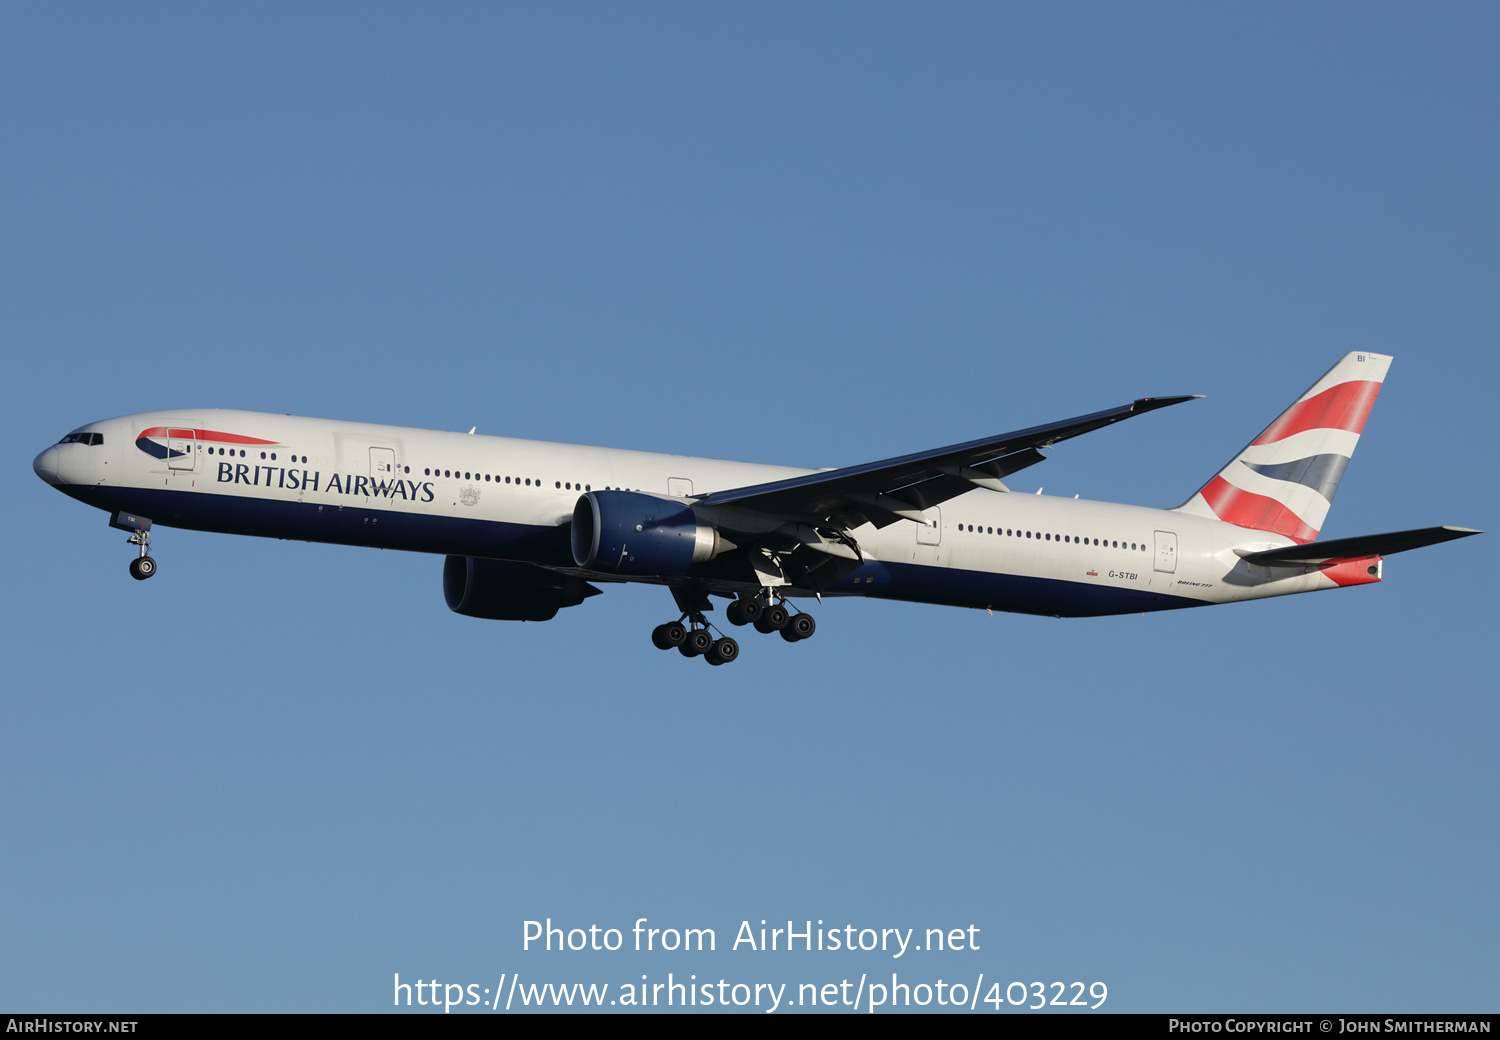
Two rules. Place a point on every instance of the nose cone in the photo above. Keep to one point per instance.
(45, 465)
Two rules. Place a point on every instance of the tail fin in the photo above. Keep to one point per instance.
(1284, 481)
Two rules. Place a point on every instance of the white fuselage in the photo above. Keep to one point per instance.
(502, 498)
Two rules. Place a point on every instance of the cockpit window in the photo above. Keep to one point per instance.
(83, 438)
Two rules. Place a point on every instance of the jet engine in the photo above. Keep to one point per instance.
(626, 532)
(504, 591)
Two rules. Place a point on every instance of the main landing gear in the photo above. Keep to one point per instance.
(691, 636)
(695, 641)
(771, 617)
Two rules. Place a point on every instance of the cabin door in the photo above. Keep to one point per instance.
(382, 463)
(182, 449)
(1166, 552)
(931, 533)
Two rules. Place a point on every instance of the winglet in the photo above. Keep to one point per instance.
(1148, 404)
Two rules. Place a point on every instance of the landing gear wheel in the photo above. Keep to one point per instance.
(142, 567)
(697, 643)
(664, 637)
(743, 611)
(723, 651)
(774, 619)
(799, 627)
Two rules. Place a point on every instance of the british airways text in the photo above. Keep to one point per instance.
(305, 480)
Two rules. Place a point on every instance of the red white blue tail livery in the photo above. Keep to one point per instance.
(1284, 481)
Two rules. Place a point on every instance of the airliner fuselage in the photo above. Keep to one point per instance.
(529, 525)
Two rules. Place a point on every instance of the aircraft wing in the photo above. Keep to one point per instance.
(885, 491)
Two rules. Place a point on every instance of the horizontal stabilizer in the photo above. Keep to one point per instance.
(1359, 546)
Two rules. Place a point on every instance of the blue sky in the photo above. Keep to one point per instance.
(278, 773)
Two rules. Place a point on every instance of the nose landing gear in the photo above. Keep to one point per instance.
(143, 566)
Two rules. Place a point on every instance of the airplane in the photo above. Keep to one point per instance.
(530, 527)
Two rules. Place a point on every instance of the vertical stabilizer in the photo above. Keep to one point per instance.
(1285, 480)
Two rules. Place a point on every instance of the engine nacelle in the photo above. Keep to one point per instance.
(625, 532)
(504, 591)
